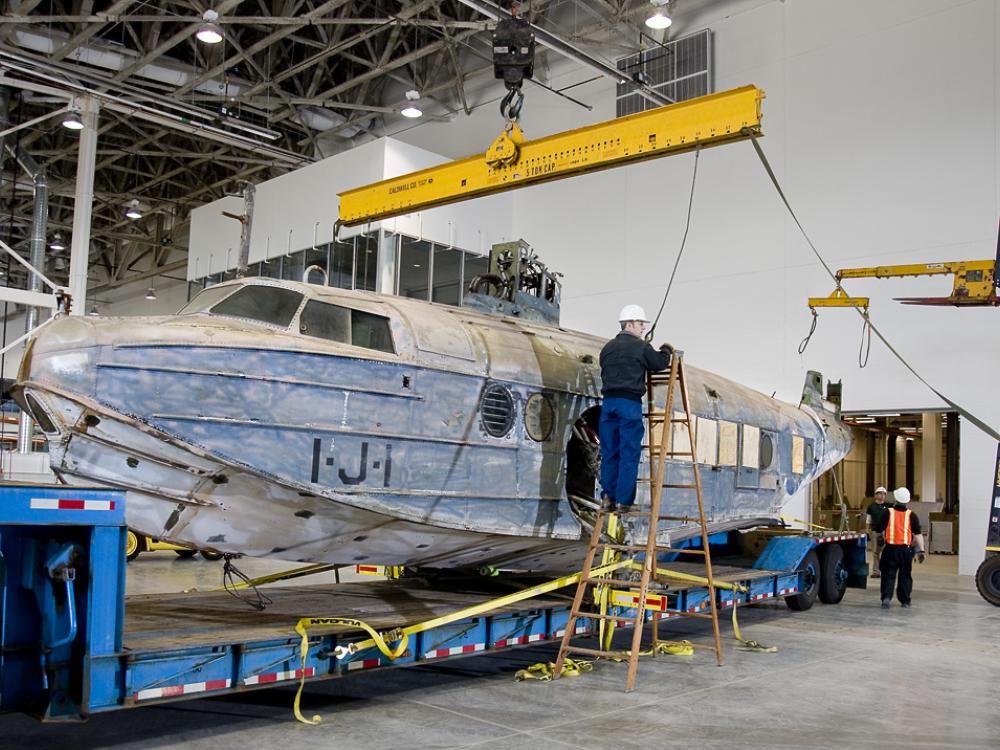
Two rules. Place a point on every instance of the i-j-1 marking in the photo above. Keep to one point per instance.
(301, 422)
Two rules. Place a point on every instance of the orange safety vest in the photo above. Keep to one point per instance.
(898, 530)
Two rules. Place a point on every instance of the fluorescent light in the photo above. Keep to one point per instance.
(150, 293)
(57, 243)
(133, 211)
(411, 110)
(209, 32)
(93, 310)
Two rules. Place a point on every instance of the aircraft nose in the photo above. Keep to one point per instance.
(61, 353)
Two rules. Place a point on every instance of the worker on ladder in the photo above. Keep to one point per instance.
(625, 360)
(903, 538)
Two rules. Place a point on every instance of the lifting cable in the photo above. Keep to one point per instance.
(680, 253)
(869, 325)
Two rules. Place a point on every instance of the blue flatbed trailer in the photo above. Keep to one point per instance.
(72, 643)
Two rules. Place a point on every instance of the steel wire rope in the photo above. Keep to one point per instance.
(812, 329)
(872, 328)
(680, 253)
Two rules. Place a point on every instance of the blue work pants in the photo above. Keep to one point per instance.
(621, 431)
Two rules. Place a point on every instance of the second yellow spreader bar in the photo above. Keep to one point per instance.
(512, 162)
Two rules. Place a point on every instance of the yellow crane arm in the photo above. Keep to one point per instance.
(916, 269)
(513, 162)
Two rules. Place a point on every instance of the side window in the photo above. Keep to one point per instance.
(767, 451)
(326, 321)
(809, 456)
(679, 439)
(728, 443)
(706, 434)
(268, 304)
(371, 332)
(749, 473)
(798, 454)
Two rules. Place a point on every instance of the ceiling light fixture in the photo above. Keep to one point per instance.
(209, 32)
(660, 18)
(133, 211)
(57, 243)
(93, 311)
(411, 110)
(150, 293)
(72, 119)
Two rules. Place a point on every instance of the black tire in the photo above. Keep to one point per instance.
(134, 544)
(810, 584)
(832, 573)
(988, 580)
(211, 554)
(186, 553)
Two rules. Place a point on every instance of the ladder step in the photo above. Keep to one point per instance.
(609, 618)
(680, 518)
(699, 615)
(679, 487)
(623, 547)
(678, 549)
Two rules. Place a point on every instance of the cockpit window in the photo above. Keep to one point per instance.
(206, 298)
(336, 323)
(268, 304)
(324, 321)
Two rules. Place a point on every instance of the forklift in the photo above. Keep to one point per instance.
(988, 574)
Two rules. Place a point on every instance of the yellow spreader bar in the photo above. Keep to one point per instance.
(513, 163)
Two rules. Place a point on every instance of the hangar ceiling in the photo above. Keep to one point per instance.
(290, 82)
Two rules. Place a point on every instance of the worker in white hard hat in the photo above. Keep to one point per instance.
(876, 512)
(625, 360)
(903, 539)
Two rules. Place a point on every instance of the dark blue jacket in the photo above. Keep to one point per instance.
(624, 362)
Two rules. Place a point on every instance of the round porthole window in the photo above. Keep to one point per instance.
(497, 410)
(766, 451)
(539, 417)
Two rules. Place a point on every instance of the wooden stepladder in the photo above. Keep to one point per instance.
(661, 433)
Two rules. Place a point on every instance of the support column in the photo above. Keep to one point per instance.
(931, 488)
(83, 203)
(890, 463)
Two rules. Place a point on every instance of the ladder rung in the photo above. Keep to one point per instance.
(679, 421)
(623, 547)
(609, 618)
(657, 452)
(684, 551)
(699, 615)
(595, 652)
(679, 487)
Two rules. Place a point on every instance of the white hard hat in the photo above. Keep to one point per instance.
(632, 312)
(883, 490)
(901, 495)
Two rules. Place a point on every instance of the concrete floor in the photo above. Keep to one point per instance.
(849, 675)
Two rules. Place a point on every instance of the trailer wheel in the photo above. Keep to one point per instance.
(988, 580)
(833, 574)
(133, 545)
(186, 553)
(810, 584)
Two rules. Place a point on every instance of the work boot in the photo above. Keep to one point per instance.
(606, 502)
(876, 574)
(886, 603)
(906, 605)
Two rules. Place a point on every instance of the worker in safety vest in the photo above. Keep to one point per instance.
(625, 360)
(902, 539)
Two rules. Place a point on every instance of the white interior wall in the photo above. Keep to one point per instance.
(881, 122)
(297, 210)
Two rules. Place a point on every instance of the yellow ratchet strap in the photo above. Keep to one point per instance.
(402, 634)
(543, 671)
(746, 645)
(805, 523)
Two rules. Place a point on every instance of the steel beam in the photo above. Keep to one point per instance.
(79, 255)
(706, 121)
